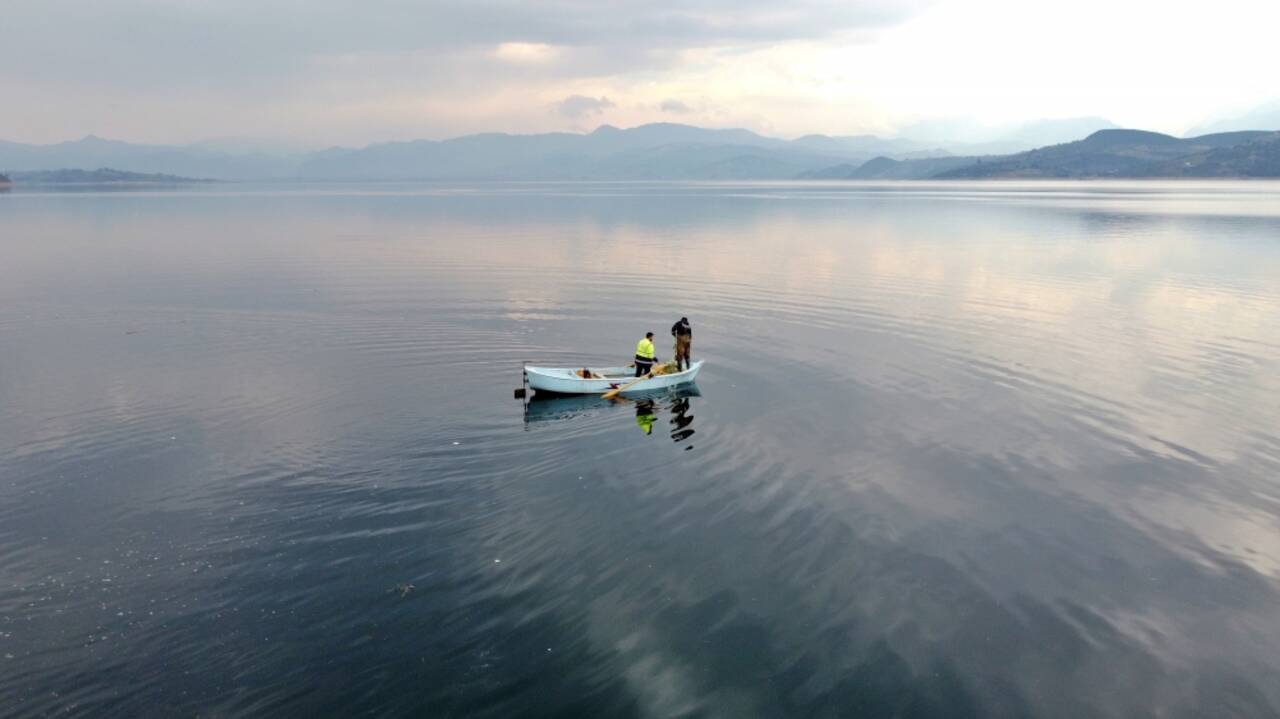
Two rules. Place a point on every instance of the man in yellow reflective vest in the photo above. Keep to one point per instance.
(645, 359)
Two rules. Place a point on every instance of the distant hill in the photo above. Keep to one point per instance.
(1105, 153)
(1117, 153)
(186, 161)
(101, 176)
(1258, 157)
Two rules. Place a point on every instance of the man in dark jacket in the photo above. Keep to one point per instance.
(684, 341)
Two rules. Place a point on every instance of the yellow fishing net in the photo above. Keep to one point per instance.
(668, 368)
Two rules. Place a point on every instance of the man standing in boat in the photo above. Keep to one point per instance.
(684, 341)
(645, 358)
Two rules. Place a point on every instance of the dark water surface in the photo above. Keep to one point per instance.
(958, 450)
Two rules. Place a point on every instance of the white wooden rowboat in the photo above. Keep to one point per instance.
(565, 380)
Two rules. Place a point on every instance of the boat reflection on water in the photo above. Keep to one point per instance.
(649, 408)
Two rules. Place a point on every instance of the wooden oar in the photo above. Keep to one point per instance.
(614, 392)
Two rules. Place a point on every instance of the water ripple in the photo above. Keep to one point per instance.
(1002, 448)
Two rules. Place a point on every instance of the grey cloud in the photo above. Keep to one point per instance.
(204, 40)
(279, 59)
(578, 106)
(675, 107)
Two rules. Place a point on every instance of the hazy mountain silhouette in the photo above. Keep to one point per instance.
(93, 151)
(673, 152)
(654, 151)
(657, 151)
(101, 176)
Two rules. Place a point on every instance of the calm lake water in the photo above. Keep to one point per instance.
(1006, 450)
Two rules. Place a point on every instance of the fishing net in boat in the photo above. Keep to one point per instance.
(668, 368)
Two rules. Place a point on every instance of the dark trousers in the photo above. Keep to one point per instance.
(643, 367)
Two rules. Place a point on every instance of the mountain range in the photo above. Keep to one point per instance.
(655, 151)
(666, 151)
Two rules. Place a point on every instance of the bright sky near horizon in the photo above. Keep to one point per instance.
(354, 72)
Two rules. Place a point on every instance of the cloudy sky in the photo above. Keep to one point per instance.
(320, 72)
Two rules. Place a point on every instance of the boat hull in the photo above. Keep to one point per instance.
(562, 380)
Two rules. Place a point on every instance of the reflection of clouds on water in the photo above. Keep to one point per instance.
(1177, 376)
(1059, 363)
(904, 600)
(668, 683)
(539, 305)
(903, 595)
(956, 455)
